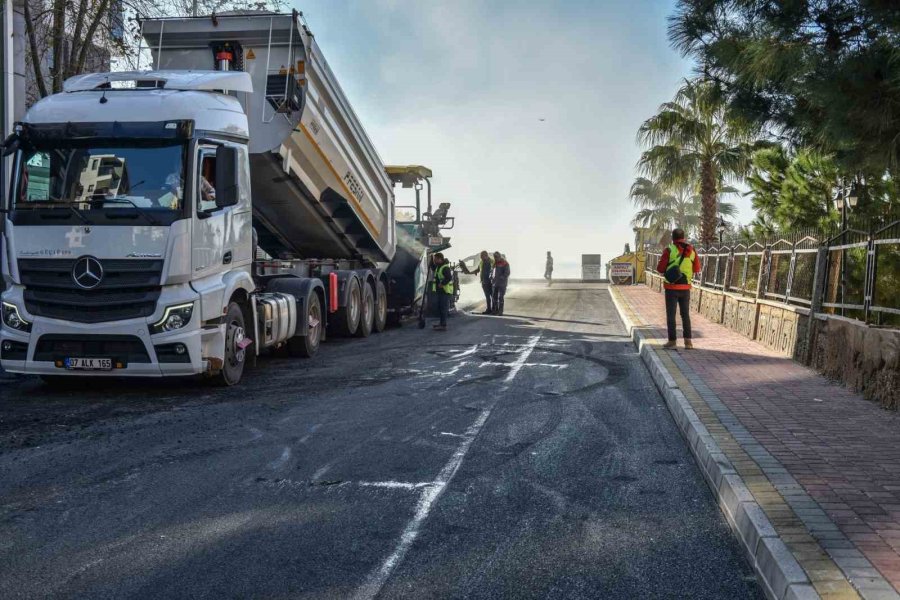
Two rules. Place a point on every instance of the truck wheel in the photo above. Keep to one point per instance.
(347, 320)
(235, 353)
(367, 312)
(308, 345)
(381, 314)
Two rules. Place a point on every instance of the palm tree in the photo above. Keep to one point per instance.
(691, 140)
(663, 208)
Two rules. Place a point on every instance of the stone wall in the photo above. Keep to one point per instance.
(778, 326)
(741, 315)
(712, 303)
(863, 357)
(866, 358)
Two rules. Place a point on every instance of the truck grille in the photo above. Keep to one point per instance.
(129, 289)
(125, 348)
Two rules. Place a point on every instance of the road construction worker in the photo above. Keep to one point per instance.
(677, 265)
(501, 278)
(548, 269)
(486, 269)
(442, 285)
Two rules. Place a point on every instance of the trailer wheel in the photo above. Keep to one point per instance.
(308, 345)
(235, 352)
(381, 313)
(347, 318)
(367, 312)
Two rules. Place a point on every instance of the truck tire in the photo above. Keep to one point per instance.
(235, 357)
(367, 312)
(307, 346)
(346, 319)
(381, 313)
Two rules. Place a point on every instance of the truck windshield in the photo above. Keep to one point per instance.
(94, 182)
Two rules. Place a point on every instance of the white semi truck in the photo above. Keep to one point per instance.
(183, 219)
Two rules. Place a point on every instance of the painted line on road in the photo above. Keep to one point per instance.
(402, 485)
(522, 359)
(281, 460)
(429, 497)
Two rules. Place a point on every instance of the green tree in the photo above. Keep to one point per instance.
(692, 142)
(663, 208)
(793, 190)
(824, 74)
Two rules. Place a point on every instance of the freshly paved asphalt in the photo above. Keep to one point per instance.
(527, 456)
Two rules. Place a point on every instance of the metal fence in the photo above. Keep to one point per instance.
(859, 268)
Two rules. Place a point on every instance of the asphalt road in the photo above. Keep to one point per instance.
(527, 456)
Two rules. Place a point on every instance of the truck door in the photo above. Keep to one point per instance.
(210, 223)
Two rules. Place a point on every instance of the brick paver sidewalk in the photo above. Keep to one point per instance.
(822, 462)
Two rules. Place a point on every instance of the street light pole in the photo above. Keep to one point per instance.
(848, 199)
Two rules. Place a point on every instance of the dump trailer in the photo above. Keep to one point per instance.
(185, 217)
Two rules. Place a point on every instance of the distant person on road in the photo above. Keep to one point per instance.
(548, 269)
(442, 285)
(486, 268)
(677, 265)
(501, 278)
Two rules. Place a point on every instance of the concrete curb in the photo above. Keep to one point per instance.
(780, 574)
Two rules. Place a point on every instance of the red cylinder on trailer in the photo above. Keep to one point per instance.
(332, 292)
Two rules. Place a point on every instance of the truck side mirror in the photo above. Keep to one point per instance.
(227, 189)
(11, 144)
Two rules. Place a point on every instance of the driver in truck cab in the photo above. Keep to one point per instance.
(175, 185)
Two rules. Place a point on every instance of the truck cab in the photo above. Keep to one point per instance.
(128, 227)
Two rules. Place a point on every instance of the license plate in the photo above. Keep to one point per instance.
(89, 364)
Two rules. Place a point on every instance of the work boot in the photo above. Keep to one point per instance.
(669, 344)
(688, 344)
(440, 328)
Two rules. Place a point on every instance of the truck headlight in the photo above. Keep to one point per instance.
(174, 318)
(12, 318)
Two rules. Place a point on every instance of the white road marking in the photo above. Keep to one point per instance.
(465, 353)
(531, 364)
(431, 493)
(318, 474)
(523, 358)
(404, 485)
(281, 460)
(312, 430)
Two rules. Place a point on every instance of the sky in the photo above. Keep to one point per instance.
(462, 87)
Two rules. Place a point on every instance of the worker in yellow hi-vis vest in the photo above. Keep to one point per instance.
(677, 265)
(442, 285)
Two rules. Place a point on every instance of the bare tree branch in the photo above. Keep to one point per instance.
(89, 37)
(77, 42)
(58, 42)
(32, 44)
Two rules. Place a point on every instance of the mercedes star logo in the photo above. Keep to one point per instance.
(87, 272)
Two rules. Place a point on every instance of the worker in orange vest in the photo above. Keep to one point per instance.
(677, 265)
